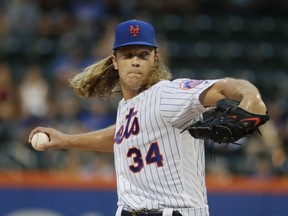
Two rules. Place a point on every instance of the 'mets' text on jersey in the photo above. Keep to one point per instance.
(156, 165)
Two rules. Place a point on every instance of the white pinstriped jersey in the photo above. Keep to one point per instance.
(157, 166)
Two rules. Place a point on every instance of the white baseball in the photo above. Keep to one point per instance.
(39, 139)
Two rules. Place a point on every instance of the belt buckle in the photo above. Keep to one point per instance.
(135, 212)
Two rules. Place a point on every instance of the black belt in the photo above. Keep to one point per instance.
(146, 213)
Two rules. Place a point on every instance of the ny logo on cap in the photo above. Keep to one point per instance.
(134, 30)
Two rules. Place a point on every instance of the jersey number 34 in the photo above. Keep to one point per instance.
(153, 156)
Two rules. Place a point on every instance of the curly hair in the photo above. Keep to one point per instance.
(101, 79)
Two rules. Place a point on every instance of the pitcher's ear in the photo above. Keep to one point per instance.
(114, 60)
(156, 57)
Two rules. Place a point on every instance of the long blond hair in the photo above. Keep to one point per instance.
(101, 79)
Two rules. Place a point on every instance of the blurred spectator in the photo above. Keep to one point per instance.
(86, 11)
(103, 46)
(13, 153)
(260, 151)
(98, 115)
(7, 94)
(7, 104)
(22, 20)
(34, 91)
(278, 112)
(68, 109)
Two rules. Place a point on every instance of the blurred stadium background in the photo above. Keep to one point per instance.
(43, 43)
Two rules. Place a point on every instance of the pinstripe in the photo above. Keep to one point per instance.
(129, 199)
(164, 175)
(164, 148)
(133, 177)
(148, 134)
(171, 173)
(151, 193)
(193, 175)
(203, 173)
(199, 169)
(124, 185)
(153, 131)
(126, 175)
(141, 179)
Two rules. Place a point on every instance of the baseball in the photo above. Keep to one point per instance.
(39, 139)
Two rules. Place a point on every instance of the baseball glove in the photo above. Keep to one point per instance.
(226, 123)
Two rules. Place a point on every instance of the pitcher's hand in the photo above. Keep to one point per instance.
(58, 140)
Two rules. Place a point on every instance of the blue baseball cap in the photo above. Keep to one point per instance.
(134, 32)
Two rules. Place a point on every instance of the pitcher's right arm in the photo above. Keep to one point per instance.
(100, 140)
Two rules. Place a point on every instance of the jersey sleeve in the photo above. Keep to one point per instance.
(179, 103)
